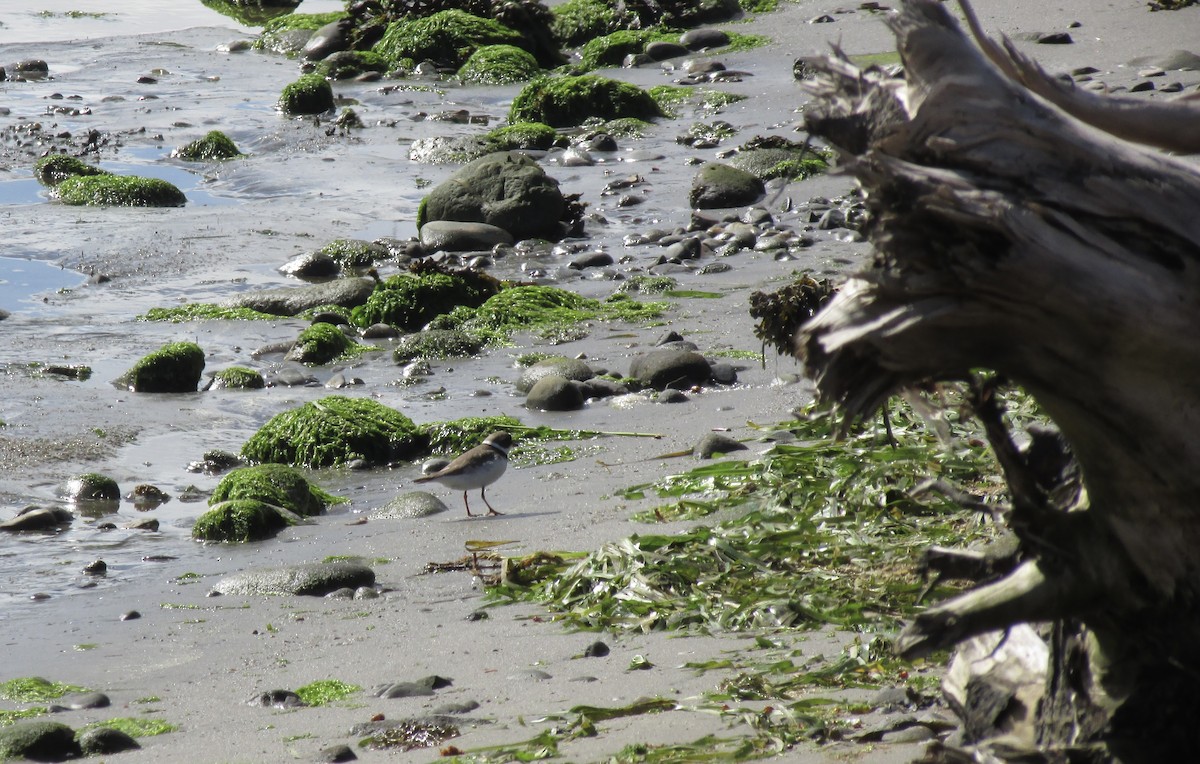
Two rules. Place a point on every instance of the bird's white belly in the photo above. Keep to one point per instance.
(485, 474)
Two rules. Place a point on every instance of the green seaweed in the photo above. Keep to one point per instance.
(9, 718)
(411, 300)
(174, 368)
(325, 691)
(499, 65)
(323, 343)
(457, 435)
(239, 378)
(205, 311)
(35, 689)
(354, 253)
(310, 94)
(215, 145)
(570, 100)
(136, 726)
(611, 49)
(241, 521)
(275, 30)
(577, 21)
(55, 168)
(108, 190)
(333, 431)
(448, 37)
(525, 135)
(349, 64)
(275, 484)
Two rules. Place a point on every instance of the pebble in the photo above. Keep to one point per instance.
(130, 615)
(335, 754)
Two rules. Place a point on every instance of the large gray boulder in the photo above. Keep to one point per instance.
(718, 185)
(661, 369)
(316, 579)
(505, 189)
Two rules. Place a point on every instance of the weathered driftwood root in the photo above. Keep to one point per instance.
(1011, 236)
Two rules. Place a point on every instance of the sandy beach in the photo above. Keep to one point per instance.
(195, 660)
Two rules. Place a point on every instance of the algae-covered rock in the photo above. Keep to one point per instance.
(499, 65)
(504, 189)
(348, 64)
(577, 21)
(313, 579)
(777, 157)
(719, 185)
(319, 344)
(240, 521)
(525, 135)
(173, 368)
(288, 301)
(611, 49)
(447, 38)
(311, 94)
(102, 741)
(435, 343)
(54, 169)
(252, 13)
(92, 486)
(38, 741)
(275, 484)
(236, 378)
(355, 253)
(108, 190)
(410, 301)
(289, 33)
(568, 101)
(333, 431)
(215, 145)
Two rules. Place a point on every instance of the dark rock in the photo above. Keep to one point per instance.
(477, 615)
(659, 50)
(435, 343)
(661, 369)
(724, 374)
(671, 396)
(314, 579)
(288, 301)
(719, 185)
(457, 236)
(595, 650)
(599, 387)
(85, 700)
(380, 331)
(101, 741)
(130, 615)
(555, 393)
(331, 38)
(39, 741)
(312, 265)
(37, 519)
(96, 568)
(505, 189)
(561, 366)
(335, 754)
(716, 443)
(591, 260)
(703, 38)
(1055, 38)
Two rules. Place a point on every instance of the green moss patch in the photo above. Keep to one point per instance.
(54, 169)
(355, 253)
(273, 37)
(107, 190)
(569, 101)
(333, 431)
(326, 691)
(348, 64)
(577, 21)
(205, 311)
(240, 521)
(525, 135)
(215, 145)
(411, 300)
(324, 343)
(35, 689)
(611, 49)
(173, 368)
(275, 484)
(447, 37)
(499, 65)
(311, 94)
(238, 378)
(137, 726)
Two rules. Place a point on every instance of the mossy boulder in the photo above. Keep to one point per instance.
(577, 21)
(108, 190)
(320, 344)
(611, 49)
(92, 486)
(275, 484)
(409, 301)
(777, 157)
(173, 368)
(525, 135)
(252, 13)
(105, 741)
(38, 741)
(568, 101)
(499, 65)
(54, 169)
(435, 343)
(348, 64)
(240, 521)
(505, 189)
(718, 185)
(288, 34)
(355, 253)
(333, 431)
(447, 38)
(311, 94)
(237, 378)
(215, 145)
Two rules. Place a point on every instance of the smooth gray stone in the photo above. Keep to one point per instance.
(455, 236)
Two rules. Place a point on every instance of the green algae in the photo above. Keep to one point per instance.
(275, 484)
(9, 718)
(643, 284)
(275, 31)
(577, 21)
(241, 521)
(136, 726)
(611, 49)
(325, 691)
(436, 344)
(458, 435)
(669, 96)
(354, 253)
(566, 101)
(204, 311)
(499, 65)
(215, 145)
(323, 343)
(411, 300)
(310, 94)
(238, 378)
(349, 64)
(35, 689)
(333, 431)
(54, 169)
(448, 37)
(173, 368)
(108, 190)
(92, 486)
(525, 135)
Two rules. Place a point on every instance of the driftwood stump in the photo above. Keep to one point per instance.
(1012, 236)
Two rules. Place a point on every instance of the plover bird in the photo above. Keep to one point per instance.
(477, 468)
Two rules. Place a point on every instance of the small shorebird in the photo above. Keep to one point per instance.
(477, 468)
